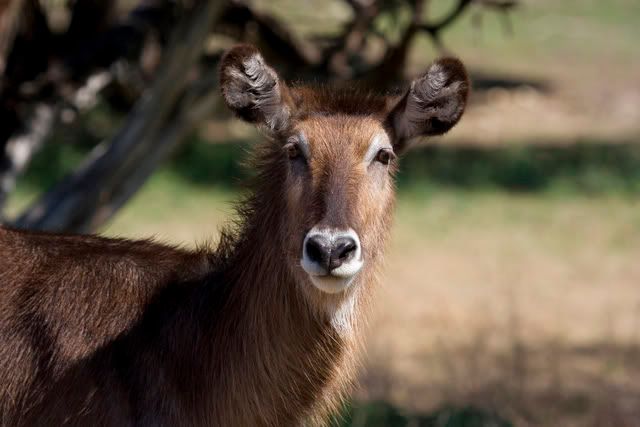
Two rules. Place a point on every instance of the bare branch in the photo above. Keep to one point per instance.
(270, 35)
(9, 22)
(499, 4)
(434, 28)
(394, 61)
(352, 38)
(503, 7)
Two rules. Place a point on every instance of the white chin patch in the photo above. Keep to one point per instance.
(331, 284)
(341, 277)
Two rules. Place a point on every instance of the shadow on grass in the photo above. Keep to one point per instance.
(546, 384)
(383, 414)
(481, 81)
(586, 167)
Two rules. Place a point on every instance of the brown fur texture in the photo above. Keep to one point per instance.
(112, 332)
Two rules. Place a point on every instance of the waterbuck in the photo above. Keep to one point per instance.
(261, 330)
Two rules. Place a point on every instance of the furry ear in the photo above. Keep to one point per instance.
(253, 90)
(433, 104)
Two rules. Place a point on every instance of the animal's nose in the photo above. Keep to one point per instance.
(330, 254)
(343, 250)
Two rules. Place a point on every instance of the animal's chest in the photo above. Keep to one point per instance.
(285, 387)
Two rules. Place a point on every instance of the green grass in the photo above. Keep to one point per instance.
(170, 208)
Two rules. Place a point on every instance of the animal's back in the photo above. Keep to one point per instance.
(62, 300)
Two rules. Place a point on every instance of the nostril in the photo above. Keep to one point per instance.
(317, 250)
(343, 250)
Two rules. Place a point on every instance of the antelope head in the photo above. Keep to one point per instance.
(332, 155)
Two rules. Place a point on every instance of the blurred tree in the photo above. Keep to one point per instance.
(158, 50)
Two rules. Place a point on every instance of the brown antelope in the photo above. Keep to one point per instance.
(260, 331)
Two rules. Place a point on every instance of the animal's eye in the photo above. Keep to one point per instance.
(385, 155)
(292, 150)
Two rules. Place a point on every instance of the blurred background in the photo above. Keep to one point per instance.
(512, 287)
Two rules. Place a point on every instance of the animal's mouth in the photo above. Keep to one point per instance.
(330, 283)
(332, 258)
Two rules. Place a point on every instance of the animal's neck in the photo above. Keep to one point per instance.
(276, 339)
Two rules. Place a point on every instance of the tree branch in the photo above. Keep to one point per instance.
(168, 138)
(434, 28)
(90, 44)
(76, 204)
(274, 39)
(9, 23)
(352, 38)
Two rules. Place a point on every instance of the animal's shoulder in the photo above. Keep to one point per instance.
(50, 253)
(83, 291)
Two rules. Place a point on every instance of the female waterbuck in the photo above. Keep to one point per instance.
(261, 330)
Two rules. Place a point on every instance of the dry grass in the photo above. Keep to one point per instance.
(526, 306)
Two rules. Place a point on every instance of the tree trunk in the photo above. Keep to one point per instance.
(84, 200)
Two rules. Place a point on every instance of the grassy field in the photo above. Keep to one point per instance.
(524, 305)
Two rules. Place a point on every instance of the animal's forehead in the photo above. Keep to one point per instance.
(340, 134)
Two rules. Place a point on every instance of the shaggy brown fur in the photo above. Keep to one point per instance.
(112, 332)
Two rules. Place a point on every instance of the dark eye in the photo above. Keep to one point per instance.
(292, 150)
(385, 155)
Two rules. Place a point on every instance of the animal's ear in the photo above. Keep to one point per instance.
(433, 104)
(253, 90)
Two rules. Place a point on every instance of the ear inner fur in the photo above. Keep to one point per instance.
(253, 90)
(433, 104)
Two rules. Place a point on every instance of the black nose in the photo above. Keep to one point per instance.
(330, 255)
